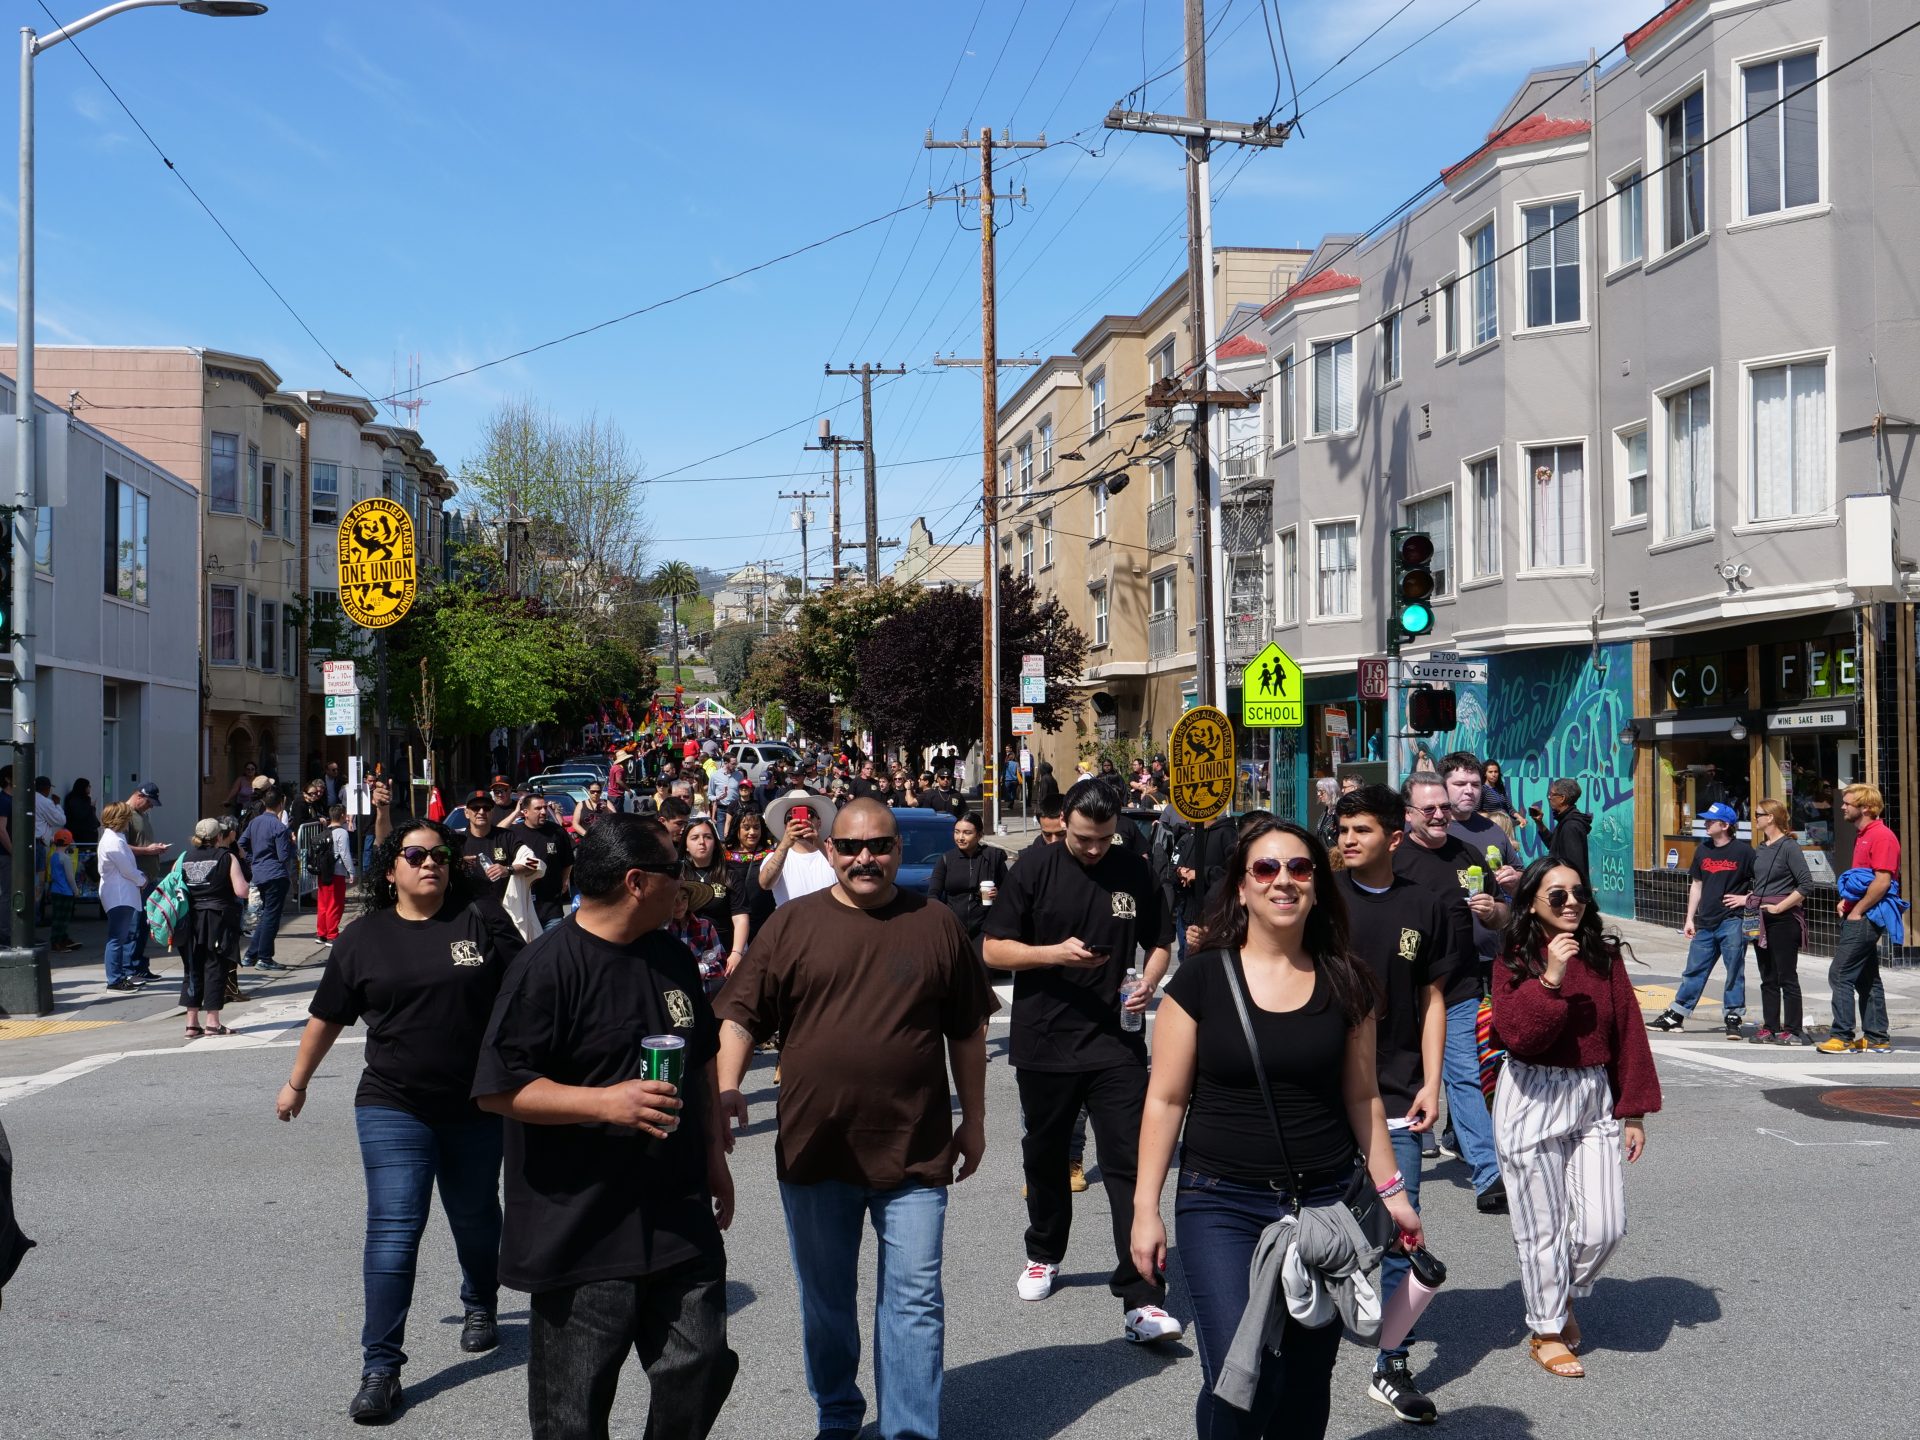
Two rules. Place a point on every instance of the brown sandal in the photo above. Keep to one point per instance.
(1565, 1364)
(1570, 1332)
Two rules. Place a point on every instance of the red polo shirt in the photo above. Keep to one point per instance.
(1876, 847)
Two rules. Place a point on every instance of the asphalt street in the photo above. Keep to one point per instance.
(198, 1269)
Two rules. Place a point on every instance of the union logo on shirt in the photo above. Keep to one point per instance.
(466, 952)
(679, 1009)
(1409, 944)
(1123, 906)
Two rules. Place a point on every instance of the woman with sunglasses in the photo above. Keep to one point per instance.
(421, 967)
(1279, 922)
(1572, 1099)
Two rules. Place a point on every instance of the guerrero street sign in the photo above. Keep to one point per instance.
(379, 572)
(1272, 696)
(1434, 668)
(1200, 757)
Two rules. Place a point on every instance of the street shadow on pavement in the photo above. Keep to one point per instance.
(1058, 1385)
(510, 1354)
(1482, 1422)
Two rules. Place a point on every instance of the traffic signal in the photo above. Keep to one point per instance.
(1410, 608)
(1430, 710)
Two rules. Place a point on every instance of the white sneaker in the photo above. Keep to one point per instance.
(1149, 1323)
(1036, 1281)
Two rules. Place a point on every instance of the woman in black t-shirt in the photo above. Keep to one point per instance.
(421, 967)
(1281, 922)
(704, 860)
(960, 872)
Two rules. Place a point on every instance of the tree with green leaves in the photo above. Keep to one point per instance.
(673, 582)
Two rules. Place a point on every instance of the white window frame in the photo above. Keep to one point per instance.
(1286, 577)
(1654, 201)
(1392, 351)
(1446, 335)
(1741, 196)
(1359, 568)
(1100, 501)
(1045, 431)
(253, 482)
(270, 637)
(269, 496)
(1660, 460)
(1451, 552)
(1332, 343)
(1623, 516)
(1024, 450)
(1578, 199)
(1161, 364)
(1485, 568)
(1480, 282)
(239, 619)
(1286, 392)
(1097, 402)
(1163, 480)
(1523, 471)
(1101, 604)
(1026, 552)
(251, 627)
(332, 508)
(238, 507)
(1617, 186)
(1046, 540)
(1749, 521)
(1007, 491)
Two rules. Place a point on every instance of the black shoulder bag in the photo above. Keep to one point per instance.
(1361, 1196)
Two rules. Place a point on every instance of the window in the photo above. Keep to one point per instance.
(43, 541)
(1684, 189)
(1690, 460)
(253, 630)
(326, 493)
(1629, 219)
(223, 480)
(1046, 446)
(269, 634)
(1333, 386)
(253, 482)
(1046, 540)
(1631, 499)
(1434, 514)
(1557, 483)
(1337, 569)
(1160, 364)
(1097, 398)
(1283, 401)
(287, 489)
(1163, 617)
(124, 527)
(1160, 479)
(1100, 512)
(221, 625)
(1783, 144)
(1026, 468)
(1484, 290)
(1483, 478)
(289, 638)
(1286, 598)
(1006, 476)
(1390, 349)
(1553, 263)
(389, 482)
(1788, 472)
(1449, 318)
(268, 472)
(1026, 553)
(1100, 614)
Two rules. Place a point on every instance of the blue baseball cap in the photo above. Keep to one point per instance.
(1722, 812)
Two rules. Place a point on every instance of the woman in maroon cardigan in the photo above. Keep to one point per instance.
(1578, 1084)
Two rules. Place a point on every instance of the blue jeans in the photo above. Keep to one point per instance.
(909, 1313)
(1466, 1101)
(1856, 970)
(1216, 1224)
(273, 898)
(1727, 943)
(1393, 1265)
(404, 1156)
(123, 928)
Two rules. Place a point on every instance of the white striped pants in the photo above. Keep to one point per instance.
(1559, 1148)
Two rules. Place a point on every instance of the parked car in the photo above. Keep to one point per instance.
(925, 835)
(600, 764)
(756, 755)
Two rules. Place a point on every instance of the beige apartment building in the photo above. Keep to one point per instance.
(1120, 563)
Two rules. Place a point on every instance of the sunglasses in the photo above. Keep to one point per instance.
(1558, 896)
(1266, 870)
(418, 855)
(851, 845)
(1430, 809)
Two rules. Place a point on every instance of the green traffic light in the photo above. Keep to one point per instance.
(1416, 619)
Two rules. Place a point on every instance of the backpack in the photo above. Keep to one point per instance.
(316, 852)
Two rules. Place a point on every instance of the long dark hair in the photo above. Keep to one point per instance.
(1354, 988)
(378, 892)
(1526, 937)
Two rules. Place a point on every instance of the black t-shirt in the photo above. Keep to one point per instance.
(1304, 1054)
(595, 1201)
(1722, 870)
(729, 899)
(1401, 934)
(1065, 1018)
(424, 988)
(1447, 873)
(554, 846)
(488, 849)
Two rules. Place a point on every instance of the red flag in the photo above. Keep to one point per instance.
(436, 807)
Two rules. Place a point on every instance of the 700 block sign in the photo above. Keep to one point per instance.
(379, 570)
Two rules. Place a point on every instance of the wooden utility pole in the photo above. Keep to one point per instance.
(1199, 134)
(803, 496)
(865, 373)
(836, 443)
(989, 452)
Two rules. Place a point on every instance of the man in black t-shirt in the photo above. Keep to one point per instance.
(1722, 866)
(483, 849)
(617, 1188)
(1068, 921)
(550, 843)
(1400, 931)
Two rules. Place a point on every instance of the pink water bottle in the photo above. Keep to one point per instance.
(1410, 1301)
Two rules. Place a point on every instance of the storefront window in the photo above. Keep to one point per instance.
(1695, 772)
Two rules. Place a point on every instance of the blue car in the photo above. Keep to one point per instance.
(925, 835)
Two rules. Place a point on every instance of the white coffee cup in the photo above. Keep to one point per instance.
(988, 889)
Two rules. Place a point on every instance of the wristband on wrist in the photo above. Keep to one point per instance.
(1393, 1187)
(298, 1089)
(1550, 984)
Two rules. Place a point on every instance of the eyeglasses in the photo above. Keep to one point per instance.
(851, 845)
(418, 855)
(1558, 896)
(1266, 869)
(1430, 809)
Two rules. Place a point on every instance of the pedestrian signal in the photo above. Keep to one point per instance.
(1410, 608)
(1430, 710)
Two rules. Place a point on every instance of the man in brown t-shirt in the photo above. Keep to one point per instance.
(876, 993)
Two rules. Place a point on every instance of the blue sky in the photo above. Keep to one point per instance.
(459, 181)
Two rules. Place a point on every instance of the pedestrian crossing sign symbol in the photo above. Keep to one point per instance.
(1271, 692)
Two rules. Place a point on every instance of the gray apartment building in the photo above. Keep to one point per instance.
(1645, 367)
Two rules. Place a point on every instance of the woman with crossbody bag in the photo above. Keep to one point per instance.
(1299, 1129)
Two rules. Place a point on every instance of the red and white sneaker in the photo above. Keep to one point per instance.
(1148, 1323)
(1036, 1280)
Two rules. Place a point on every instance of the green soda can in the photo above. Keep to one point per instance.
(665, 1059)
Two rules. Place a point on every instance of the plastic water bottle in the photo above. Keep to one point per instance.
(1131, 1020)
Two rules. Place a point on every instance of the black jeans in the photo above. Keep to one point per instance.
(1114, 1100)
(1780, 973)
(676, 1320)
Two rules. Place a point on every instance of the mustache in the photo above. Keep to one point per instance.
(874, 872)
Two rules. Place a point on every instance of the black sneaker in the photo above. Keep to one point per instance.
(1668, 1020)
(479, 1332)
(378, 1400)
(270, 967)
(1394, 1388)
(1493, 1199)
(1733, 1024)
(122, 984)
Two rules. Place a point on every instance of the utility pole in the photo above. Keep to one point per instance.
(989, 454)
(804, 515)
(866, 374)
(835, 444)
(1200, 133)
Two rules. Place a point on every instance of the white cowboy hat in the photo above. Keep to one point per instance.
(823, 811)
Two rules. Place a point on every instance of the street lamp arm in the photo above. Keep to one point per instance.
(105, 12)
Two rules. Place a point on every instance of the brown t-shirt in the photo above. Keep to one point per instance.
(865, 1002)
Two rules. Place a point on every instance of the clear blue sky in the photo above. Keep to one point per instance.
(458, 181)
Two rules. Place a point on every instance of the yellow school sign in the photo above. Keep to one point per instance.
(1271, 692)
(379, 570)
